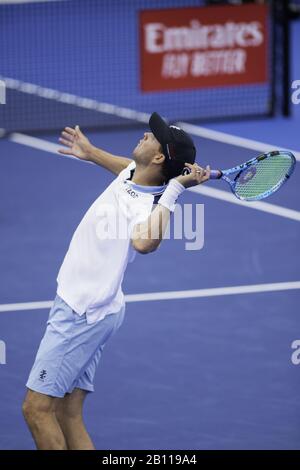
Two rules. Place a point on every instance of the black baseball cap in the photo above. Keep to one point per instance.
(177, 145)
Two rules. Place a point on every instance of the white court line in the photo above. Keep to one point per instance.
(51, 147)
(40, 144)
(258, 205)
(34, 142)
(232, 139)
(173, 295)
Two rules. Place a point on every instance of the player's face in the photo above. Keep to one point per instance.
(146, 149)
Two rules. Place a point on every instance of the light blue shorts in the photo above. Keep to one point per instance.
(70, 350)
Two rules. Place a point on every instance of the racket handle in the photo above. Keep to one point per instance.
(215, 174)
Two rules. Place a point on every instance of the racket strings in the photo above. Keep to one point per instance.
(262, 177)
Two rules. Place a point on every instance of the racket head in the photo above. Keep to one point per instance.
(263, 175)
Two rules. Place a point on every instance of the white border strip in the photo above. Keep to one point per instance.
(232, 139)
(172, 295)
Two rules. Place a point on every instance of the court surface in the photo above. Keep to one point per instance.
(205, 371)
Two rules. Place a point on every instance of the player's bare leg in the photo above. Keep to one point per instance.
(39, 413)
(69, 415)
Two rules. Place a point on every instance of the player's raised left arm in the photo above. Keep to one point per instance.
(78, 145)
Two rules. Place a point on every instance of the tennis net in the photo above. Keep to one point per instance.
(88, 62)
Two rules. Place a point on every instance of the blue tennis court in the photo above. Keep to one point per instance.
(211, 372)
(206, 361)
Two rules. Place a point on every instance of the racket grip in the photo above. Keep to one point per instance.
(215, 174)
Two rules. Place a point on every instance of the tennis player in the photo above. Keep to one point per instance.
(89, 305)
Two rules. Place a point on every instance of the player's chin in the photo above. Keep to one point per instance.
(136, 154)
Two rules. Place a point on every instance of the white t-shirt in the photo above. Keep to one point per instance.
(91, 275)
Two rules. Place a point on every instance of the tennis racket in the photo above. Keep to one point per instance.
(259, 177)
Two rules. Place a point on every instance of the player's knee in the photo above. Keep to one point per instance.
(29, 410)
(70, 407)
(34, 410)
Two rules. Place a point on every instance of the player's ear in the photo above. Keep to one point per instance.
(159, 158)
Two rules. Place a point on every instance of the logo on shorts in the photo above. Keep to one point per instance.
(43, 374)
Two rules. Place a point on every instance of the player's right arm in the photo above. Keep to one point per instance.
(78, 145)
(147, 236)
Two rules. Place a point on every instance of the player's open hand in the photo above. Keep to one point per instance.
(196, 176)
(75, 142)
